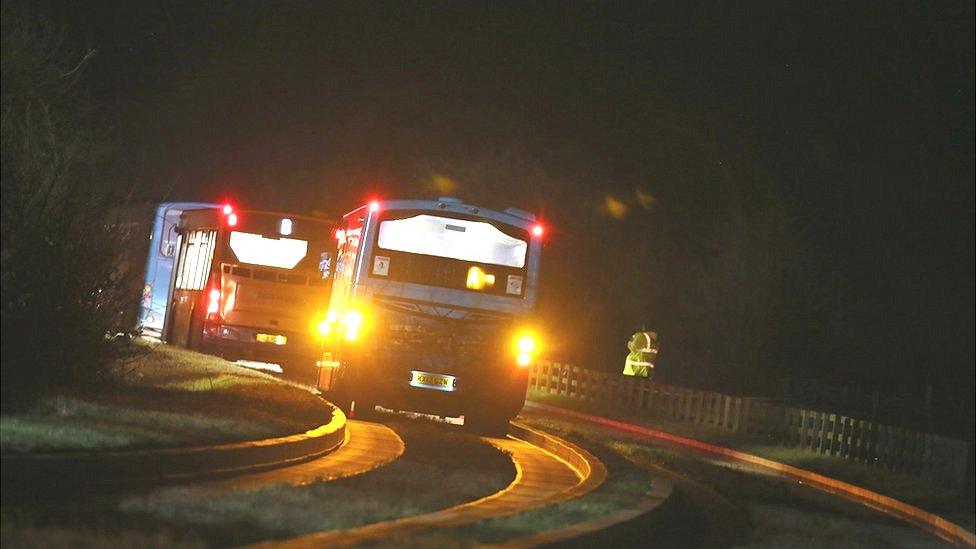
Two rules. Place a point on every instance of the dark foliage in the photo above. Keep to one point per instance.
(60, 282)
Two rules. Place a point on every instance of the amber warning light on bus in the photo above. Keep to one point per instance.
(478, 279)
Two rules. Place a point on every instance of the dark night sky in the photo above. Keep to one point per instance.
(836, 140)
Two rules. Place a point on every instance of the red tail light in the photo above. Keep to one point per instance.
(213, 304)
(538, 229)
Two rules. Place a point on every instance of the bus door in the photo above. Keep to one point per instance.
(194, 262)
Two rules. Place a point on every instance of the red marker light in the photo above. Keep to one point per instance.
(374, 206)
(213, 307)
(537, 230)
(232, 220)
(228, 209)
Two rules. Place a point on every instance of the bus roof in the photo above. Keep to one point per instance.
(511, 216)
(213, 217)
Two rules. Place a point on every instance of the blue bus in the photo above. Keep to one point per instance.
(430, 310)
(163, 246)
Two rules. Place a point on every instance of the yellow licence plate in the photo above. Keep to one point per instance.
(438, 382)
(272, 338)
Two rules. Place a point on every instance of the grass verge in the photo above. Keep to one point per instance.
(162, 396)
(441, 467)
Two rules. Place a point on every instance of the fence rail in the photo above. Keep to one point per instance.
(933, 457)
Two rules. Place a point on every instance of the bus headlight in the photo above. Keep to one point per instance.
(353, 323)
(526, 348)
(322, 325)
(348, 325)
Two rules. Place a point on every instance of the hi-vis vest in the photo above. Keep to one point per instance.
(643, 348)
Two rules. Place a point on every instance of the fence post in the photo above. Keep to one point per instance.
(881, 453)
(836, 431)
(726, 413)
(588, 386)
(736, 413)
(553, 378)
(859, 441)
(747, 419)
(793, 436)
(927, 456)
(819, 425)
(845, 442)
(800, 418)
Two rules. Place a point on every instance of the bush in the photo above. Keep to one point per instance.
(61, 289)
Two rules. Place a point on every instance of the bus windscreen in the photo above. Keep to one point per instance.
(278, 241)
(450, 238)
(256, 249)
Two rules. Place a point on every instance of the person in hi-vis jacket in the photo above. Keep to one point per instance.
(643, 351)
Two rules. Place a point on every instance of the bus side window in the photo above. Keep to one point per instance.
(169, 236)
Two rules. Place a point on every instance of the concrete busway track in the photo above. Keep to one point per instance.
(548, 470)
(718, 521)
(367, 446)
(934, 524)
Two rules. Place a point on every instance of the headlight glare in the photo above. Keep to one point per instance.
(525, 346)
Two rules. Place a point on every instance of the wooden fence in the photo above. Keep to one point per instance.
(933, 457)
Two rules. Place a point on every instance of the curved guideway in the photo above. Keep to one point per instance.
(366, 447)
(542, 478)
(730, 522)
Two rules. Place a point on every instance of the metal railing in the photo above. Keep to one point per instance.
(933, 457)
